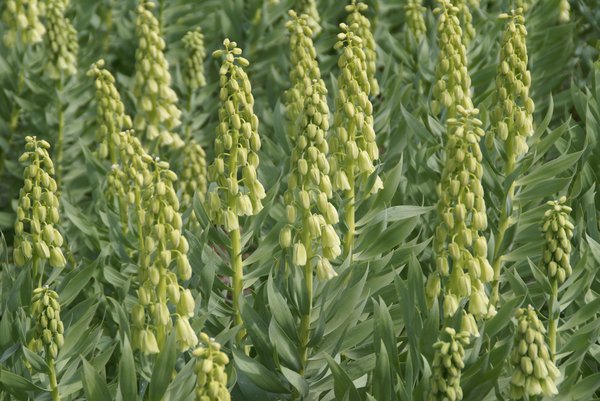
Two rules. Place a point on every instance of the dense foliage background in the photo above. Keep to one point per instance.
(372, 332)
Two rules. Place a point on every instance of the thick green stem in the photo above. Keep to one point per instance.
(237, 280)
(307, 316)
(52, 379)
(60, 134)
(553, 319)
(504, 223)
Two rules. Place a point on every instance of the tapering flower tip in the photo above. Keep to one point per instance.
(111, 116)
(48, 330)
(304, 69)
(513, 113)
(193, 42)
(557, 230)
(534, 373)
(22, 19)
(211, 362)
(564, 9)
(447, 366)
(415, 18)
(61, 41)
(466, 19)
(309, 7)
(157, 112)
(353, 140)
(361, 27)
(236, 145)
(453, 82)
(37, 211)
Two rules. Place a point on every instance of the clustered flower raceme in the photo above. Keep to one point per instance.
(37, 212)
(361, 27)
(453, 83)
(415, 18)
(157, 112)
(534, 373)
(352, 144)
(461, 250)
(564, 11)
(48, 332)
(309, 7)
(466, 19)
(448, 362)
(163, 248)
(22, 18)
(558, 231)
(513, 113)
(235, 146)
(193, 42)
(61, 38)
(193, 174)
(310, 214)
(210, 366)
(110, 115)
(304, 67)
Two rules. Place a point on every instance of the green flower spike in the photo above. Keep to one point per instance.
(236, 148)
(110, 114)
(193, 42)
(22, 18)
(36, 237)
(361, 26)
(163, 262)
(211, 384)
(157, 113)
(460, 248)
(309, 7)
(453, 83)
(352, 144)
(61, 39)
(534, 373)
(415, 18)
(447, 366)
(304, 68)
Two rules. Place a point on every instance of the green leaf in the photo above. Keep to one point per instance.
(343, 385)
(94, 386)
(261, 376)
(127, 378)
(163, 369)
(551, 169)
(37, 362)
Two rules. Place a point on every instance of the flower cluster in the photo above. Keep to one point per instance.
(361, 26)
(48, 328)
(309, 189)
(157, 112)
(61, 40)
(22, 18)
(235, 146)
(193, 173)
(461, 251)
(558, 231)
(304, 67)
(447, 366)
(163, 247)
(534, 373)
(110, 113)
(453, 83)
(353, 147)
(210, 366)
(513, 113)
(564, 9)
(415, 17)
(466, 19)
(309, 7)
(37, 210)
(193, 42)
